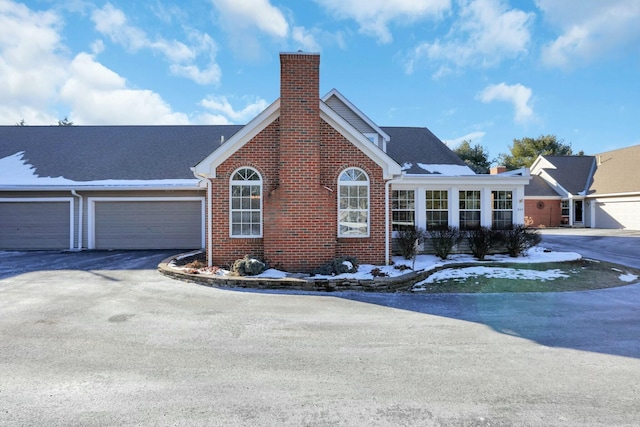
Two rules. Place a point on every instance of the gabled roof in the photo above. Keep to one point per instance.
(617, 172)
(538, 187)
(572, 173)
(207, 167)
(416, 147)
(366, 123)
(96, 153)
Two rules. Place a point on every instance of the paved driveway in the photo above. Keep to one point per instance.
(99, 339)
(617, 246)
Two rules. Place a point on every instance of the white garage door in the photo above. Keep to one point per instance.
(30, 224)
(618, 213)
(146, 224)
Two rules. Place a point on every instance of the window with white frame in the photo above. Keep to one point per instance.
(353, 203)
(402, 209)
(437, 209)
(469, 209)
(246, 203)
(502, 209)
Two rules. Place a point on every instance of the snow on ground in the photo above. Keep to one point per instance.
(628, 277)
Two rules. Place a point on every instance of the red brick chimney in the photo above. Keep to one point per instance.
(497, 170)
(294, 236)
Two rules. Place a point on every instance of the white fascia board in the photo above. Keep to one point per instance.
(389, 166)
(367, 120)
(554, 184)
(207, 167)
(541, 163)
(475, 180)
(542, 197)
(627, 194)
(103, 188)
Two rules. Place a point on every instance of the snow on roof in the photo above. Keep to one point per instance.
(442, 169)
(15, 171)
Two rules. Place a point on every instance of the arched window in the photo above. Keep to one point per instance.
(353, 203)
(246, 203)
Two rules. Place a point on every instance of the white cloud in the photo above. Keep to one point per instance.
(253, 13)
(374, 16)
(113, 23)
(98, 96)
(305, 40)
(518, 95)
(485, 32)
(224, 113)
(32, 65)
(590, 29)
(474, 137)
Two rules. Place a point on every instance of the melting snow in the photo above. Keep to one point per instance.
(448, 170)
(628, 277)
(14, 170)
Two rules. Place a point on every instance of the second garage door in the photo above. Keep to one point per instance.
(35, 224)
(618, 213)
(147, 224)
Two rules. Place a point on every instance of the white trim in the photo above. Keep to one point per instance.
(91, 201)
(53, 200)
(355, 183)
(390, 167)
(207, 167)
(334, 92)
(231, 184)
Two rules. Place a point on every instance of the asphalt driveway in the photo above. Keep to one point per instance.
(617, 246)
(99, 339)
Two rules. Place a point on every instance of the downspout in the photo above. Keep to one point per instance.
(209, 237)
(80, 219)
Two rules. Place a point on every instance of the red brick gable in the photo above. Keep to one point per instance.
(314, 240)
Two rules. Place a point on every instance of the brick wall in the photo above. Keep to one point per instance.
(300, 158)
(542, 213)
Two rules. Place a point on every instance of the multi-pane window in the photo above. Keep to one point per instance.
(437, 209)
(403, 209)
(353, 203)
(502, 209)
(469, 209)
(246, 203)
(565, 208)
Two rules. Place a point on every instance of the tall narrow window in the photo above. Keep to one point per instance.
(502, 209)
(246, 203)
(402, 209)
(469, 209)
(437, 204)
(353, 203)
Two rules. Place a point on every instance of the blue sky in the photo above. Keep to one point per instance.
(487, 71)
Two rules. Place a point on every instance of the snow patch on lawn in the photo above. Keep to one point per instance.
(628, 277)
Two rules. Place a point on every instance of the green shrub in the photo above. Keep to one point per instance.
(519, 239)
(443, 240)
(248, 266)
(340, 265)
(481, 240)
(408, 239)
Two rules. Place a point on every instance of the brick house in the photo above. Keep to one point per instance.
(309, 179)
(601, 191)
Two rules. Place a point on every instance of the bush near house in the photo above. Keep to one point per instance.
(248, 266)
(408, 241)
(340, 265)
(519, 239)
(482, 240)
(444, 240)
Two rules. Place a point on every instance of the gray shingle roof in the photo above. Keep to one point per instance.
(418, 145)
(617, 172)
(572, 172)
(91, 153)
(538, 187)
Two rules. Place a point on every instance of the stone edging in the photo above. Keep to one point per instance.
(375, 284)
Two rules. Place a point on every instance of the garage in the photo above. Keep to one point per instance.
(36, 223)
(621, 212)
(146, 223)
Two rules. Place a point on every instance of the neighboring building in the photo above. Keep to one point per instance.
(601, 191)
(307, 180)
